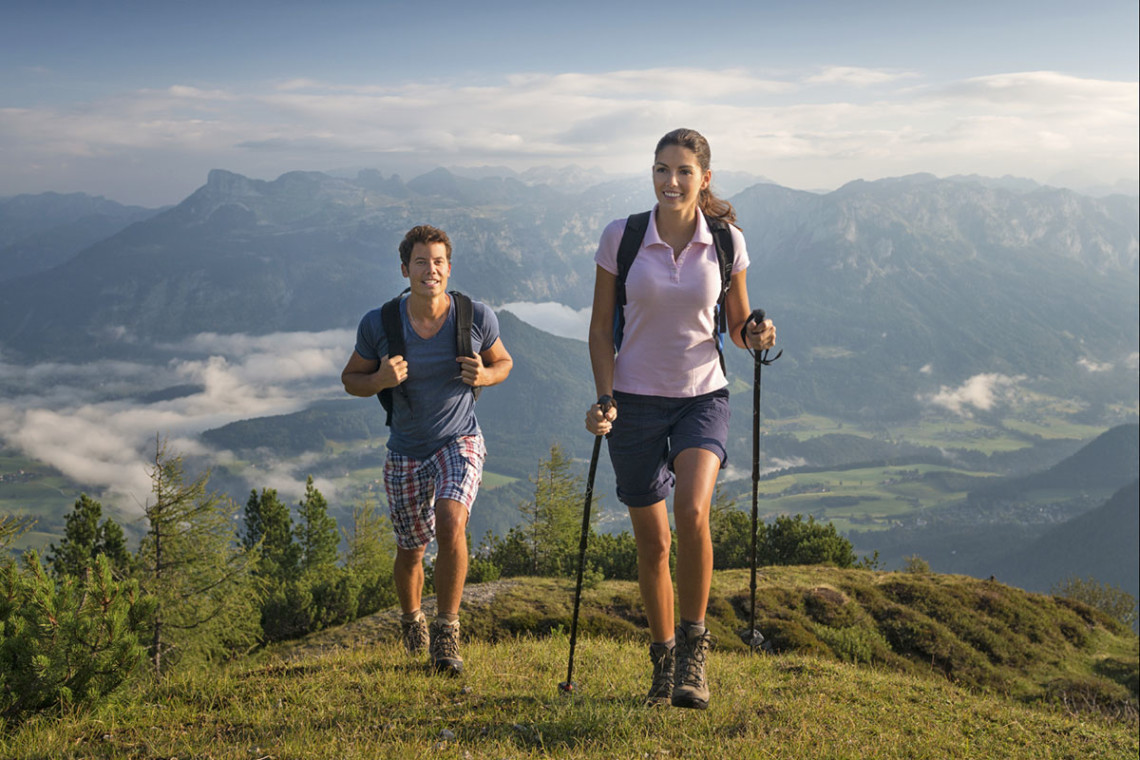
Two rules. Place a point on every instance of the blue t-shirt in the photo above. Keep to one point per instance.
(433, 406)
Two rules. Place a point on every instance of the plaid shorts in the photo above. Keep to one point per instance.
(413, 485)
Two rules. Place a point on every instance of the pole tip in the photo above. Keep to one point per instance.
(567, 687)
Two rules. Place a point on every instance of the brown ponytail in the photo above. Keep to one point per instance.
(711, 206)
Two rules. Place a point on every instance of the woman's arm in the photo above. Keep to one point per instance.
(602, 348)
(760, 336)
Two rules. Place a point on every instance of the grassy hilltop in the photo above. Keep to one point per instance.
(864, 665)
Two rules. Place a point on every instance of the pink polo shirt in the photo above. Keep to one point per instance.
(668, 348)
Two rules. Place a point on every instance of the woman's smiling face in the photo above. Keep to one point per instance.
(678, 178)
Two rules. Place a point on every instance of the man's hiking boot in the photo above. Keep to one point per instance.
(414, 633)
(444, 647)
(690, 687)
(661, 691)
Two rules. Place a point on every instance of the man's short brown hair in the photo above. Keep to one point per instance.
(426, 234)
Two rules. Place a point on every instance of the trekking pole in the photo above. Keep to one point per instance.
(752, 637)
(567, 686)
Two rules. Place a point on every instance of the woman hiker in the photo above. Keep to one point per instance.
(667, 424)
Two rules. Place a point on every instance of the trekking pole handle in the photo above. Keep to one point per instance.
(758, 316)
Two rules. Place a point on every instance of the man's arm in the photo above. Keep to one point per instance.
(367, 377)
(490, 367)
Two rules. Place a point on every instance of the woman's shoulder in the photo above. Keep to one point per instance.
(616, 227)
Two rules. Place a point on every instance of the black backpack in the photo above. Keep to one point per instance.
(394, 332)
(635, 227)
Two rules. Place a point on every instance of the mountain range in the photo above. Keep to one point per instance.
(884, 292)
(1099, 544)
(39, 232)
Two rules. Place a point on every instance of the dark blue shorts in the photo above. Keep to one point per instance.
(649, 433)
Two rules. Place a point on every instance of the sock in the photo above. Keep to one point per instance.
(447, 618)
(669, 644)
(695, 629)
(410, 617)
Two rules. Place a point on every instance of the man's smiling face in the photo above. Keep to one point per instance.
(428, 269)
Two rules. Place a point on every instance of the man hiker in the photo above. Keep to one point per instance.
(435, 448)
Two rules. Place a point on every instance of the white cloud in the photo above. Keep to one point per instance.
(982, 392)
(1094, 366)
(857, 77)
(85, 419)
(814, 130)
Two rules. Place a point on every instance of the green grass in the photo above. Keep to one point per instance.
(934, 684)
(374, 702)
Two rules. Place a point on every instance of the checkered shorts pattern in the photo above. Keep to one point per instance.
(413, 485)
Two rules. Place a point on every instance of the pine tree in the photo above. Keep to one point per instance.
(269, 529)
(315, 531)
(191, 563)
(371, 551)
(554, 515)
(64, 640)
(85, 538)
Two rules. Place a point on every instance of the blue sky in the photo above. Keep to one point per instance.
(138, 100)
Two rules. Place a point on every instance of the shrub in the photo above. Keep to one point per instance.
(592, 577)
(614, 555)
(336, 596)
(68, 642)
(1123, 671)
(855, 644)
(828, 606)
(482, 570)
(788, 635)
(286, 612)
(916, 564)
(794, 541)
(1113, 601)
(1092, 694)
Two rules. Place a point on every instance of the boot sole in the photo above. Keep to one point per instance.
(691, 703)
(448, 668)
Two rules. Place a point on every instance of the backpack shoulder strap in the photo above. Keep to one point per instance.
(635, 227)
(464, 322)
(631, 238)
(726, 257)
(393, 326)
(725, 252)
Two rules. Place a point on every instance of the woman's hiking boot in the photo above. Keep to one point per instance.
(444, 647)
(661, 691)
(414, 632)
(690, 686)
